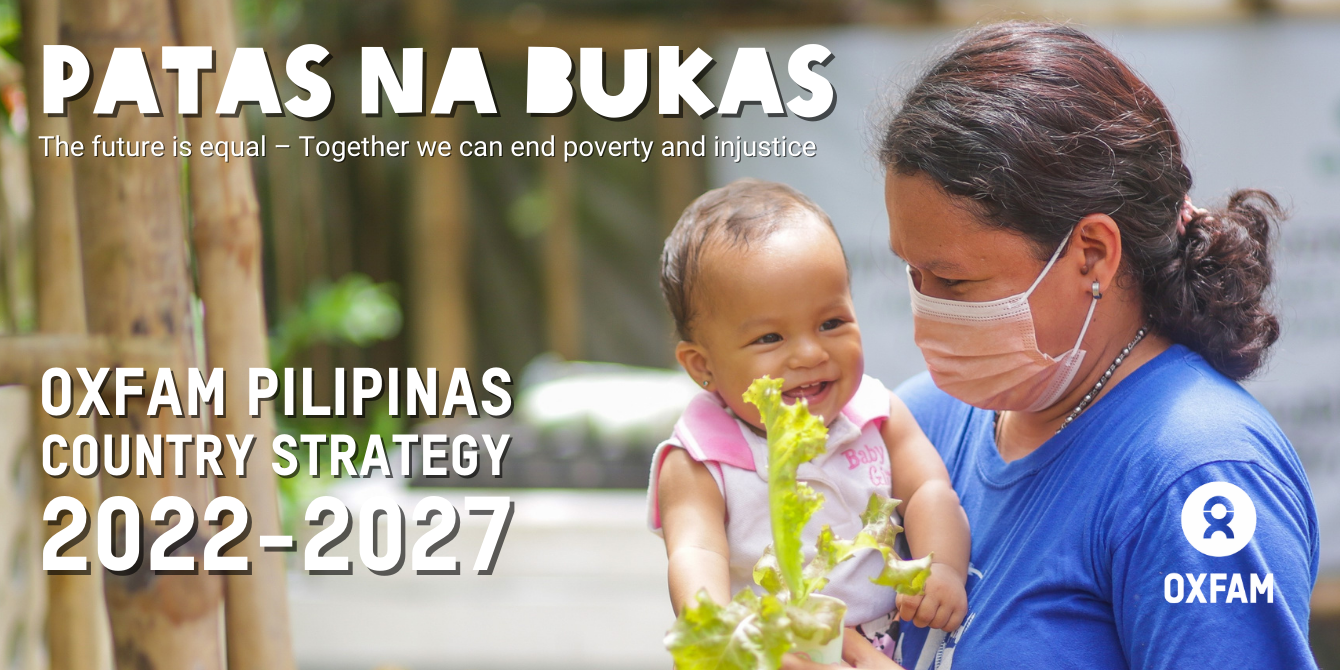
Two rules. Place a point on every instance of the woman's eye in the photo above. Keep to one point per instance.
(831, 324)
(919, 277)
(770, 338)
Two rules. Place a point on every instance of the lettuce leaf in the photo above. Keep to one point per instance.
(880, 531)
(768, 574)
(749, 633)
(905, 577)
(816, 620)
(752, 632)
(794, 437)
(829, 552)
(878, 534)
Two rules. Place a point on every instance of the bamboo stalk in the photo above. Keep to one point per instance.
(439, 235)
(24, 358)
(227, 236)
(562, 273)
(60, 293)
(137, 283)
(285, 208)
(23, 592)
(77, 631)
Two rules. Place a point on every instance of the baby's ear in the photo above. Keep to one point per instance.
(693, 358)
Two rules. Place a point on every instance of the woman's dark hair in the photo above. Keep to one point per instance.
(737, 214)
(1038, 126)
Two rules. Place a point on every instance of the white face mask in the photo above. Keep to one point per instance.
(986, 353)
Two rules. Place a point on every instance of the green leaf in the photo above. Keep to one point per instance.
(878, 534)
(353, 310)
(829, 552)
(768, 574)
(906, 577)
(818, 619)
(878, 519)
(749, 633)
(794, 437)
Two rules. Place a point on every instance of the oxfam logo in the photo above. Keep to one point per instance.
(1218, 519)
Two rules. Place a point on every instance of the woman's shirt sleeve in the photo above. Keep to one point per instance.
(1218, 572)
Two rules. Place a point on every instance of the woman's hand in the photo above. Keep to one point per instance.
(793, 662)
(942, 604)
(856, 652)
(859, 653)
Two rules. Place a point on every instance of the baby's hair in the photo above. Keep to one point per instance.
(740, 213)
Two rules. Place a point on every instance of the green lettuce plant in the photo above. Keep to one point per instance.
(753, 631)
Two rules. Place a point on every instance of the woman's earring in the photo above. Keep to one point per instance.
(1096, 293)
(705, 382)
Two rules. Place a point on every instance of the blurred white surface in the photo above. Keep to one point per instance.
(614, 402)
(579, 583)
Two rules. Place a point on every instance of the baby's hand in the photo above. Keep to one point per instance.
(942, 605)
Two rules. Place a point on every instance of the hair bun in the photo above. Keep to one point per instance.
(1212, 295)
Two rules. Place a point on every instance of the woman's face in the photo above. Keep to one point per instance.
(954, 256)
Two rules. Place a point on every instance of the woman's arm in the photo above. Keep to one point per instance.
(932, 518)
(859, 653)
(1177, 606)
(693, 519)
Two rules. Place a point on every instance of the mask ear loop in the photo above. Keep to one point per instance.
(1055, 255)
(1088, 318)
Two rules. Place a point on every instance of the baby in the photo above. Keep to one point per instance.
(758, 285)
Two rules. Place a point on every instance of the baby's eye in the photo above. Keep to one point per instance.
(831, 324)
(770, 338)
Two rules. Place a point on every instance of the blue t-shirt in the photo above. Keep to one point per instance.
(1169, 526)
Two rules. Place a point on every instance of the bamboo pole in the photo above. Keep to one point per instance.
(439, 235)
(285, 208)
(137, 283)
(227, 236)
(60, 293)
(77, 628)
(562, 273)
(23, 591)
(24, 358)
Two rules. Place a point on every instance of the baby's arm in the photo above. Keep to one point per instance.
(933, 519)
(693, 519)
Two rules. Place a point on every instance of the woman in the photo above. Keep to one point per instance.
(1131, 505)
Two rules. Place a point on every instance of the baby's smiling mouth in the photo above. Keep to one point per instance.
(809, 392)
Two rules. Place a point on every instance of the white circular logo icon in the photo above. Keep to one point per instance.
(1218, 519)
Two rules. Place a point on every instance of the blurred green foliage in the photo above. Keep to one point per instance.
(10, 31)
(353, 311)
(528, 215)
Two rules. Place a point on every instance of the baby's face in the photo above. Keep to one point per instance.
(781, 308)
